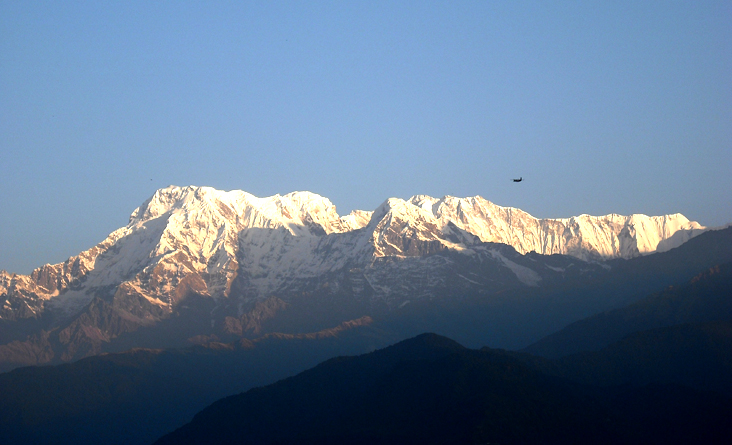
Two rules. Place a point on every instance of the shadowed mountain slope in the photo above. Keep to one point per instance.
(695, 355)
(706, 297)
(515, 317)
(698, 355)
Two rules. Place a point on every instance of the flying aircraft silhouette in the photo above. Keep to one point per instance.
(519, 179)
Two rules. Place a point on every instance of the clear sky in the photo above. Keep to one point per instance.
(602, 107)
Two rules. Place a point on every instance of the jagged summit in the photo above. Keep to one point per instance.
(292, 211)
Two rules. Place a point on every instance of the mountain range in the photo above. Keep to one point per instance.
(196, 264)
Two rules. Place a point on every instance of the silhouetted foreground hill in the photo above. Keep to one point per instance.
(429, 389)
(707, 297)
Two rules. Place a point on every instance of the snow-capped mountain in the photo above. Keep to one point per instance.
(236, 250)
(585, 237)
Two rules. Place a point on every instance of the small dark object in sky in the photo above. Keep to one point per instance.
(519, 179)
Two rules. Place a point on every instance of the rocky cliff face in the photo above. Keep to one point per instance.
(217, 256)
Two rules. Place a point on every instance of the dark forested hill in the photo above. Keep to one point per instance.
(431, 390)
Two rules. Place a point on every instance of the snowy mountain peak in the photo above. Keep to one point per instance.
(215, 241)
(301, 213)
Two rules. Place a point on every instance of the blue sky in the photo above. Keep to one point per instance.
(603, 107)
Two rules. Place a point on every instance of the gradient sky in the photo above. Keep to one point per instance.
(602, 107)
